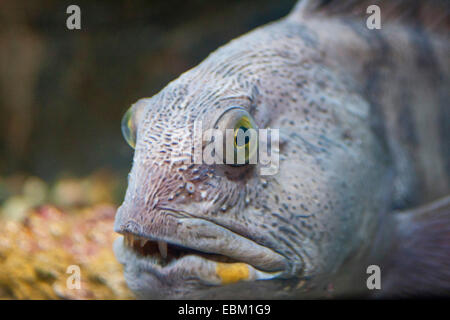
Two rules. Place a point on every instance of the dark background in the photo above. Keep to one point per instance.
(63, 92)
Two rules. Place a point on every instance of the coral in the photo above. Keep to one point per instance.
(36, 252)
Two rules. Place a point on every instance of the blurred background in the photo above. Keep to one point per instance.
(63, 92)
(63, 161)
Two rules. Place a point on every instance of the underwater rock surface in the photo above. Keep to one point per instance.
(36, 252)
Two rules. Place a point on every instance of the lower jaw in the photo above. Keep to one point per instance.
(189, 268)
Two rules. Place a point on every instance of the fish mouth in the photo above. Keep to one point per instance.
(202, 251)
(163, 253)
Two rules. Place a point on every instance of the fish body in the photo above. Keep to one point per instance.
(363, 122)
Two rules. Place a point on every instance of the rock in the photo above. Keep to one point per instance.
(35, 255)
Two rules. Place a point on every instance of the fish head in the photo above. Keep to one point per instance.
(189, 226)
(192, 229)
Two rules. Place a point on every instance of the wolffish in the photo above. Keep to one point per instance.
(364, 162)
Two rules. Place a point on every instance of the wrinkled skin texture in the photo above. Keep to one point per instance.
(318, 216)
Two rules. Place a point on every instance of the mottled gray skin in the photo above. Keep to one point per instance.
(345, 163)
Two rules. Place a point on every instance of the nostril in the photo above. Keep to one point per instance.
(132, 227)
(124, 224)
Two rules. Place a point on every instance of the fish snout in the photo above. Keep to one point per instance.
(155, 223)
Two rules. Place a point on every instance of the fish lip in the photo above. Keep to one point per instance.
(175, 272)
(203, 235)
(158, 282)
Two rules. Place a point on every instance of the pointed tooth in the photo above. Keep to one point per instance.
(162, 246)
(143, 242)
(261, 275)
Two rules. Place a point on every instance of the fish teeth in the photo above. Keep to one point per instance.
(129, 240)
(162, 246)
(132, 240)
(261, 275)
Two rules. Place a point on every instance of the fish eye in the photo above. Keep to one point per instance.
(131, 119)
(244, 141)
(241, 129)
(129, 128)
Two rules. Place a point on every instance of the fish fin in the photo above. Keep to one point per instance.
(420, 263)
(432, 14)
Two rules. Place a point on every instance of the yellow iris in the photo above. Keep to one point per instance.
(243, 124)
(244, 139)
(129, 128)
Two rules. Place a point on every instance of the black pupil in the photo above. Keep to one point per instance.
(244, 130)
